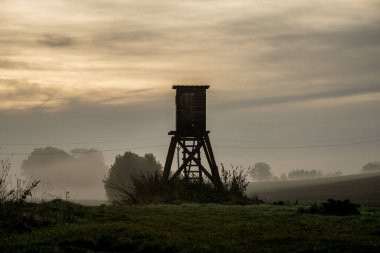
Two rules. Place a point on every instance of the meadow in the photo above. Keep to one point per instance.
(362, 188)
(60, 226)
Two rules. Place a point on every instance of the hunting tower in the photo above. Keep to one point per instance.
(191, 137)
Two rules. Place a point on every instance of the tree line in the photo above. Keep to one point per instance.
(85, 170)
(262, 171)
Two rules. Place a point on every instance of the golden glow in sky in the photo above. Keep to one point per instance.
(107, 52)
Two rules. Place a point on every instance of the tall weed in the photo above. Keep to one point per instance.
(153, 188)
(14, 193)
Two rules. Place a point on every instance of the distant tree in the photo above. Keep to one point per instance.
(371, 167)
(283, 176)
(304, 174)
(261, 172)
(80, 171)
(43, 157)
(335, 174)
(126, 167)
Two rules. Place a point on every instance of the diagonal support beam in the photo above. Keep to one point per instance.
(187, 160)
(212, 163)
(169, 158)
(193, 154)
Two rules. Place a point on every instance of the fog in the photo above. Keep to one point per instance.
(293, 84)
(361, 188)
(74, 175)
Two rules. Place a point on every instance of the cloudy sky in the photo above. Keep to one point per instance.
(283, 74)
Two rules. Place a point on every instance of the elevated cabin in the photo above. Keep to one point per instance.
(190, 109)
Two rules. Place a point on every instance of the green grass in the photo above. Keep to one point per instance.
(196, 228)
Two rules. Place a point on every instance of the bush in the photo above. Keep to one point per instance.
(18, 192)
(119, 182)
(13, 199)
(153, 189)
(333, 207)
(235, 181)
(19, 210)
(19, 218)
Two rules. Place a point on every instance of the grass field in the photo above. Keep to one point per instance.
(360, 188)
(66, 227)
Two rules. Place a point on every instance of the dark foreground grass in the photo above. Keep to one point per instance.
(196, 228)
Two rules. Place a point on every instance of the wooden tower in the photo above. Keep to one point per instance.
(191, 136)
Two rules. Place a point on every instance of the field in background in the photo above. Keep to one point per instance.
(195, 228)
(361, 188)
(90, 202)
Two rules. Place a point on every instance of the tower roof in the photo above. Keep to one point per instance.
(191, 86)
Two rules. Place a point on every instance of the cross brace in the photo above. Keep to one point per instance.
(191, 159)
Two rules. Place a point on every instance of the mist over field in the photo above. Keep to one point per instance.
(77, 174)
(295, 84)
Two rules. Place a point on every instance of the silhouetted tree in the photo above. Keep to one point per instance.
(261, 172)
(119, 181)
(371, 167)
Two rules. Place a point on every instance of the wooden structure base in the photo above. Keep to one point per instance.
(191, 166)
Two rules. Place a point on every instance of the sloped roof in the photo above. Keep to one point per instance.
(191, 86)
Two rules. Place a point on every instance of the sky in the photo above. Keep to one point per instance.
(286, 78)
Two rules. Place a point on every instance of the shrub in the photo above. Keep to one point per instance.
(148, 189)
(20, 192)
(152, 188)
(333, 207)
(235, 181)
(13, 199)
(119, 181)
